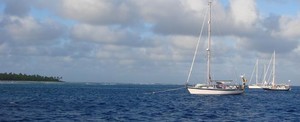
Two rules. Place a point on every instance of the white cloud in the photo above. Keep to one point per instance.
(185, 42)
(170, 17)
(289, 27)
(107, 35)
(26, 30)
(194, 5)
(135, 40)
(100, 34)
(97, 11)
(244, 12)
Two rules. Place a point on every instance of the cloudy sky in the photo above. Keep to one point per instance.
(147, 41)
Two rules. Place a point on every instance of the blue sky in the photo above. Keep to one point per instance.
(288, 7)
(142, 41)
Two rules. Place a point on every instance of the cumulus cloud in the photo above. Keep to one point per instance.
(101, 34)
(289, 27)
(17, 7)
(271, 23)
(244, 13)
(139, 39)
(22, 34)
(26, 30)
(100, 12)
(266, 43)
(171, 16)
(108, 35)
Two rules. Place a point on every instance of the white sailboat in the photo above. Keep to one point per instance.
(274, 86)
(214, 87)
(257, 84)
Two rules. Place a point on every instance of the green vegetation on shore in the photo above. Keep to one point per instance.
(24, 77)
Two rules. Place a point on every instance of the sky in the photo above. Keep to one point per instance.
(147, 41)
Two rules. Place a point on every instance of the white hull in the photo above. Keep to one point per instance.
(254, 87)
(202, 91)
(278, 88)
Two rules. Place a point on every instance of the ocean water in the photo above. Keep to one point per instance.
(98, 102)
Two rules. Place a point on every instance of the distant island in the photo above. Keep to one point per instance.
(24, 77)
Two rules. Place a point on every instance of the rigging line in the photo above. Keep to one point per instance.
(260, 75)
(267, 72)
(254, 68)
(197, 46)
(165, 90)
(270, 76)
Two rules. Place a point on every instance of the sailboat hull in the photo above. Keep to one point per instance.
(277, 89)
(254, 87)
(203, 91)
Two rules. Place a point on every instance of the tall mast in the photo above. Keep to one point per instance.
(256, 70)
(273, 82)
(264, 79)
(208, 45)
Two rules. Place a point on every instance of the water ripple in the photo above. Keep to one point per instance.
(81, 102)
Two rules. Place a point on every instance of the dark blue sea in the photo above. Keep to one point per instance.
(99, 102)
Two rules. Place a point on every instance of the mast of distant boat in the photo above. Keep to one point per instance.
(208, 46)
(273, 82)
(256, 74)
